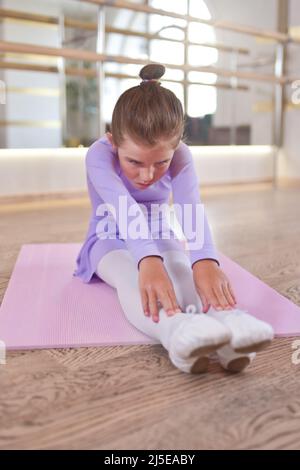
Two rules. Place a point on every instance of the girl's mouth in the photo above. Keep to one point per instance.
(144, 185)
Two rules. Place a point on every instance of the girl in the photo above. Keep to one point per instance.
(180, 297)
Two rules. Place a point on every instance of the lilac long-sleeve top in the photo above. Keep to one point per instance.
(106, 183)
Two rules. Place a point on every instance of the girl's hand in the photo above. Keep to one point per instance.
(156, 286)
(213, 286)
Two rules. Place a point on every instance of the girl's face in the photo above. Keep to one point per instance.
(142, 165)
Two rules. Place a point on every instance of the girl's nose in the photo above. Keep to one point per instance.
(147, 175)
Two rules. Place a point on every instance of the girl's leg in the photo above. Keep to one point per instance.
(179, 269)
(178, 266)
(117, 268)
(249, 334)
(186, 336)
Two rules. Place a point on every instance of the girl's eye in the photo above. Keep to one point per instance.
(158, 164)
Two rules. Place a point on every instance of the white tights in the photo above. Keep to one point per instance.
(125, 280)
(117, 268)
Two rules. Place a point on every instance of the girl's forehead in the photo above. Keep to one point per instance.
(141, 149)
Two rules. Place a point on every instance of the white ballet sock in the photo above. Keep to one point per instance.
(191, 338)
(233, 361)
(249, 334)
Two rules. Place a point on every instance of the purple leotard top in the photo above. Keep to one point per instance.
(106, 182)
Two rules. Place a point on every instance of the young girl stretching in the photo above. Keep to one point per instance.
(180, 297)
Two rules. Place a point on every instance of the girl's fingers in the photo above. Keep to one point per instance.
(210, 297)
(168, 303)
(174, 304)
(214, 300)
(228, 294)
(221, 297)
(204, 302)
(231, 292)
(153, 305)
(145, 305)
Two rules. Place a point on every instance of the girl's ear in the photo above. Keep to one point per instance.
(110, 138)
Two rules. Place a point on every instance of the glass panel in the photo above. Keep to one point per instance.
(176, 6)
(166, 52)
(201, 33)
(199, 9)
(199, 55)
(201, 100)
(203, 77)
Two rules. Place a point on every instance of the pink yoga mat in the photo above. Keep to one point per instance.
(46, 307)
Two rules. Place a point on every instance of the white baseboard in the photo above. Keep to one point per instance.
(38, 171)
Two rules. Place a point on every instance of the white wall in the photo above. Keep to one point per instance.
(29, 171)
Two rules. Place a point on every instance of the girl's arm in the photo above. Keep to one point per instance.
(154, 282)
(185, 188)
(102, 172)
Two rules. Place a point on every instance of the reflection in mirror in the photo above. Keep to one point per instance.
(53, 101)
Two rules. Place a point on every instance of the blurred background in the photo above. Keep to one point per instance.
(64, 63)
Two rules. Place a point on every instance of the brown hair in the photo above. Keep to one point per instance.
(148, 112)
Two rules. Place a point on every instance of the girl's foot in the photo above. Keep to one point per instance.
(193, 339)
(232, 361)
(190, 365)
(248, 333)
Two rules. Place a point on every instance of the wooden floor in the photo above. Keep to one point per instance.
(132, 397)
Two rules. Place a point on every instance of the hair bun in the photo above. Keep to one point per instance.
(152, 71)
